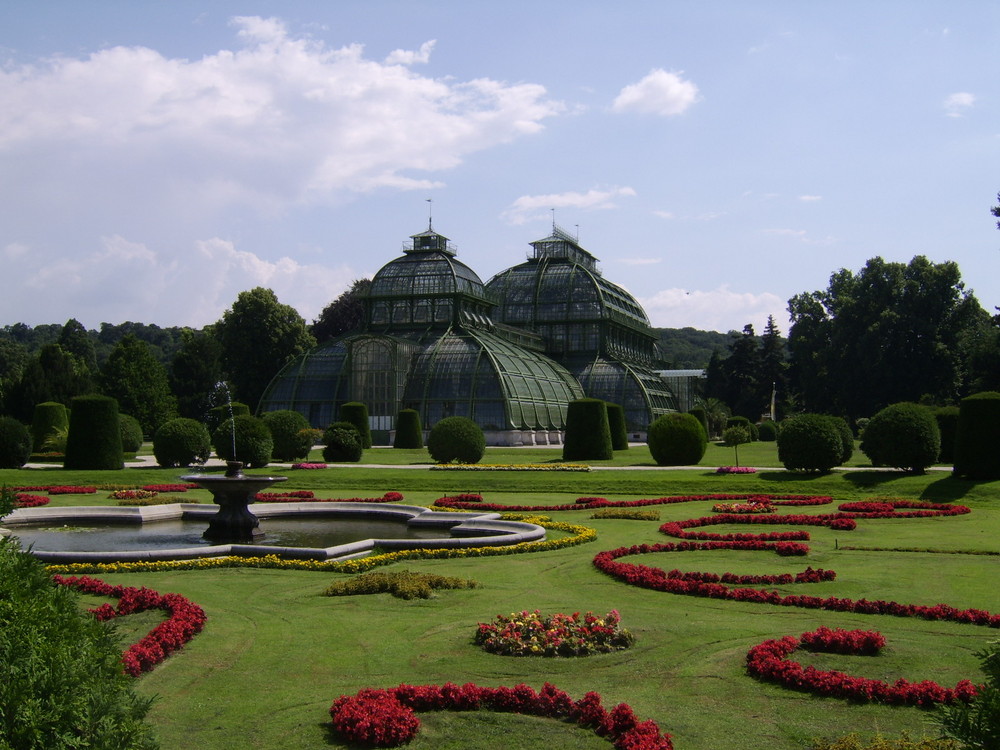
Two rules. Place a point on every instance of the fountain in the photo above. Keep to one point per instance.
(233, 492)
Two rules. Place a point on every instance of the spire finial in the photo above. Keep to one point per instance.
(430, 214)
(553, 220)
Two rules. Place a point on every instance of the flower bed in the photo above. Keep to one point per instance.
(769, 661)
(735, 470)
(386, 718)
(24, 500)
(308, 465)
(186, 619)
(132, 495)
(296, 496)
(743, 508)
(533, 634)
(170, 487)
(586, 503)
(510, 467)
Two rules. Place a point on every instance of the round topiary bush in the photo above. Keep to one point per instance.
(131, 432)
(49, 417)
(307, 438)
(903, 435)
(588, 433)
(677, 440)
(846, 438)
(701, 415)
(357, 414)
(15, 443)
(947, 421)
(219, 414)
(767, 431)
(745, 424)
(94, 441)
(977, 442)
(617, 426)
(409, 433)
(253, 441)
(810, 442)
(341, 443)
(457, 439)
(181, 442)
(284, 425)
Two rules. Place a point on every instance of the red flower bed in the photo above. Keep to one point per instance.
(69, 490)
(534, 634)
(309, 496)
(169, 487)
(385, 718)
(186, 619)
(586, 503)
(24, 500)
(769, 661)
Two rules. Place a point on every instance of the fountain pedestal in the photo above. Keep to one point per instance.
(234, 523)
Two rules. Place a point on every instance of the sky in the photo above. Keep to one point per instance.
(718, 158)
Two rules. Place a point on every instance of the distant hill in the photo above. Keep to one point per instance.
(689, 348)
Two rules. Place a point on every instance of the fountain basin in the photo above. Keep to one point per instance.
(233, 492)
(464, 530)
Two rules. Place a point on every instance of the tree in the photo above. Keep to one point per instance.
(195, 371)
(258, 336)
(773, 376)
(52, 375)
(344, 314)
(996, 211)
(138, 381)
(75, 340)
(13, 360)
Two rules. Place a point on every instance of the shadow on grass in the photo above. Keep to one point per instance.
(947, 488)
(793, 477)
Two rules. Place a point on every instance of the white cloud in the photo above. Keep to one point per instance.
(531, 207)
(719, 309)
(411, 57)
(810, 198)
(956, 104)
(659, 93)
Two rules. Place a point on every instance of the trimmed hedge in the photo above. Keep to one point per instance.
(49, 416)
(588, 433)
(357, 414)
(977, 442)
(768, 431)
(810, 442)
(252, 438)
(131, 432)
(617, 426)
(903, 435)
(94, 441)
(181, 442)
(409, 433)
(457, 439)
(341, 443)
(284, 426)
(947, 422)
(677, 440)
(15, 443)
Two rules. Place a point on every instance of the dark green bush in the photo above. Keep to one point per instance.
(341, 443)
(357, 414)
(846, 438)
(810, 442)
(252, 441)
(977, 442)
(181, 442)
(677, 440)
(746, 424)
(457, 439)
(49, 417)
(95, 439)
(307, 438)
(588, 433)
(616, 424)
(284, 426)
(219, 414)
(947, 421)
(15, 444)
(409, 433)
(63, 685)
(131, 432)
(701, 415)
(767, 431)
(903, 435)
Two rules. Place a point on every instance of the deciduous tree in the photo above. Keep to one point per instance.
(138, 381)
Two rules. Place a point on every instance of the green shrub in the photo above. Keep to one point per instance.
(746, 424)
(588, 433)
(701, 415)
(131, 432)
(846, 438)
(63, 685)
(409, 433)
(457, 439)
(977, 724)
(734, 437)
(402, 584)
(947, 421)
(810, 442)
(49, 417)
(357, 414)
(677, 440)
(307, 438)
(625, 513)
(341, 443)
(219, 414)
(181, 442)
(95, 439)
(616, 424)
(253, 441)
(767, 431)
(284, 426)
(903, 435)
(15, 443)
(977, 442)
(860, 424)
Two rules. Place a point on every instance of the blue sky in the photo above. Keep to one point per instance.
(157, 158)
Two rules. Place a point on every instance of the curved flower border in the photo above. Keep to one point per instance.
(386, 717)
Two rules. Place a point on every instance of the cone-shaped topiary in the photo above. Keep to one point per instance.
(677, 440)
(977, 442)
(903, 435)
(131, 432)
(456, 439)
(15, 443)
(250, 437)
(95, 439)
(357, 414)
(408, 431)
(616, 423)
(49, 417)
(588, 434)
(810, 442)
(284, 426)
(181, 442)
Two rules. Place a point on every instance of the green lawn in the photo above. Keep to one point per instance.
(275, 652)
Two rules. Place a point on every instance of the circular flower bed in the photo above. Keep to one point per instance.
(533, 634)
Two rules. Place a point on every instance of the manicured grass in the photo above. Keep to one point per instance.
(275, 652)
